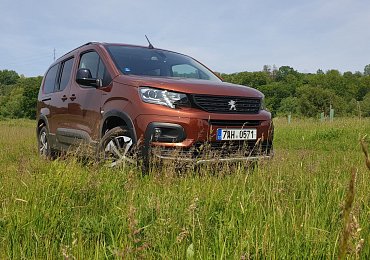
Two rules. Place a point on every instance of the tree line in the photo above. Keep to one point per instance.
(18, 95)
(286, 90)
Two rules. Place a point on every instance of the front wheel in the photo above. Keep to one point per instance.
(116, 147)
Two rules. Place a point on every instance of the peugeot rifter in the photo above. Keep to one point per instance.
(122, 98)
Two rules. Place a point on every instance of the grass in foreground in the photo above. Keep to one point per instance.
(290, 207)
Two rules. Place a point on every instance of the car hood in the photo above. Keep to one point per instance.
(190, 86)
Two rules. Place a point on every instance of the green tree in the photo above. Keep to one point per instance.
(363, 88)
(251, 79)
(289, 105)
(313, 100)
(352, 108)
(351, 82)
(20, 99)
(11, 105)
(334, 80)
(30, 92)
(365, 105)
(8, 77)
(284, 71)
(367, 70)
(274, 93)
(267, 69)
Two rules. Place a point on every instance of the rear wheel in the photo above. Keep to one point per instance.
(43, 144)
(116, 147)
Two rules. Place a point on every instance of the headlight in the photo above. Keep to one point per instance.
(162, 97)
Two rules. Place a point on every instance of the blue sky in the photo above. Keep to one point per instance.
(227, 36)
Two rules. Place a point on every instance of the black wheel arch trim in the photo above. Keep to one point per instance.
(122, 115)
(45, 119)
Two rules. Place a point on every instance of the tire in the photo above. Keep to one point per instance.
(44, 144)
(116, 147)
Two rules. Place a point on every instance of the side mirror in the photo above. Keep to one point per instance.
(84, 77)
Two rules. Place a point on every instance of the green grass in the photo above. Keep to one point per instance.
(290, 207)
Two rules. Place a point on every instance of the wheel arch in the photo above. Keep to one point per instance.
(41, 122)
(115, 118)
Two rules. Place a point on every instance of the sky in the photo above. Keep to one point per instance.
(227, 36)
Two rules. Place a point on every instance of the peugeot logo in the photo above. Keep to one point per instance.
(232, 104)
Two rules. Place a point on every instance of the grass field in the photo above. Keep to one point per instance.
(290, 207)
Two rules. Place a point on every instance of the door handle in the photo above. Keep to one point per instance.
(64, 98)
(73, 97)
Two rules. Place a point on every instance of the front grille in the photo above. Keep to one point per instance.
(241, 123)
(227, 105)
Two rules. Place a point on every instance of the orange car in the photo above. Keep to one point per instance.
(120, 98)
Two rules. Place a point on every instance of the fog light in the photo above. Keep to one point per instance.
(157, 132)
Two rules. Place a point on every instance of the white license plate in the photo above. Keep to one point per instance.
(236, 134)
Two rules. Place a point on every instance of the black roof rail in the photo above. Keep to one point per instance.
(88, 43)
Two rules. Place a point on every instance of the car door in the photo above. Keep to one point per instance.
(54, 99)
(60, 100)
(46, 97)
(84, 111)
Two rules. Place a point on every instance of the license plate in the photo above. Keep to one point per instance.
(236, 134)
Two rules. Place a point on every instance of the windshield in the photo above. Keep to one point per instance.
(152, 62)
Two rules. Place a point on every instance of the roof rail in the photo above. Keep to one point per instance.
(88, 43)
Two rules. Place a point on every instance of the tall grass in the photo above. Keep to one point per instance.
(289, 207)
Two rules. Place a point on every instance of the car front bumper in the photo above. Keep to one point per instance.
(194, 141)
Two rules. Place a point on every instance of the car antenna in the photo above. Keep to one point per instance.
(150, 45)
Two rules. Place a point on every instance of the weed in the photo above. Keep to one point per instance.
(350, 227)
(364, 149)
(283, 208)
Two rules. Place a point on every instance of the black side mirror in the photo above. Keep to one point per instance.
(85, 78)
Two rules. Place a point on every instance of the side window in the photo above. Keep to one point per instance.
(66, 74)
(50, 79)
(92, 61)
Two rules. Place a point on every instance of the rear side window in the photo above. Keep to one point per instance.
(66, 74)
(50, 79)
